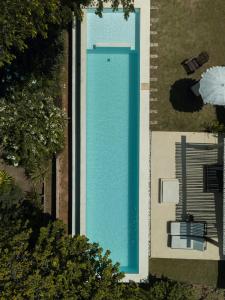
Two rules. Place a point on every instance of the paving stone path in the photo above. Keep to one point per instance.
(153, 63)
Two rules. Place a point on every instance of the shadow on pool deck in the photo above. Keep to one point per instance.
(182, 98)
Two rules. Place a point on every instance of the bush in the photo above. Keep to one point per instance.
(31, 127)
(39, 261)
(5, 181)
(214, 127)
(165, 289)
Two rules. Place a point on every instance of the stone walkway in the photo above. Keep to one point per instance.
(153, 62)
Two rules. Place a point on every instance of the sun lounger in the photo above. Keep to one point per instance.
(192, 64)
(187, 243)
(202, 58)
(187, 235)
(197, 229)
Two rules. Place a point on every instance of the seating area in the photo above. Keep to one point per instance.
(192, 64)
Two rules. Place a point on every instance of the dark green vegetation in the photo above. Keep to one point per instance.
(185, 28)
(40, 261)
(24, 20)
(31, 55)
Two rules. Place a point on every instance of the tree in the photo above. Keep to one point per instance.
(24, 20)
(40, 261)
(31, 127)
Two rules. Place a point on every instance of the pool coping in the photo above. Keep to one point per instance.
(144, 136)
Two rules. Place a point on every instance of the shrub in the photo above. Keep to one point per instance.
(214, 127)
(5, 181)
(31, 127)
(39, 261)
(165, 289)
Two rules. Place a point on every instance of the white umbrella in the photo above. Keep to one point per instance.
(212, 86)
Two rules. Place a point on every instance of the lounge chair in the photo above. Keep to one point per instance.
(197, 229)
(188, 243)
(187, 235)
(192, 64)
(202, 58)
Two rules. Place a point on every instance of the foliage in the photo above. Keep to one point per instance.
(5, 181)
(20, 20)
(24, 20)
(165, 289)
(215, 127)
(31, 127)
(41, 60)
(39, 261)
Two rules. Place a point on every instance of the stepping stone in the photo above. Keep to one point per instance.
(153, 122)
(153, 79)
(154, 7)
(153, 111)
(154, 20)
(153, 32)
(153, 99)
(153, 67)
(154, 44)
(154, 56)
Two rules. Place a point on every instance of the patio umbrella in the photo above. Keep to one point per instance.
(212, 86)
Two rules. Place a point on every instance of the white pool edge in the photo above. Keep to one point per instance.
(144, 135)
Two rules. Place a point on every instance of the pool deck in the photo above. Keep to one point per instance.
(163, 165)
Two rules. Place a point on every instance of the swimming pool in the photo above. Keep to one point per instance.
(112, 145)
(112, 153)
(110, 187)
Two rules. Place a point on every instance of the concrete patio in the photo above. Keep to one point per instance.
(163, 165)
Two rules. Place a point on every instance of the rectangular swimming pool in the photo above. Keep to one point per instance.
(110, 163)
(112, 147)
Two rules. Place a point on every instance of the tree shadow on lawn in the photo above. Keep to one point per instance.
(182, 98)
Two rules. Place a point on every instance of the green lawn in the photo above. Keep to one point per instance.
(204, 272)
(184, 29)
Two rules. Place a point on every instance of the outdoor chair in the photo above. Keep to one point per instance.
(187, 235)
(192, 64)
(202, 58)
(197, 229)
(213, 178)
(188, 243)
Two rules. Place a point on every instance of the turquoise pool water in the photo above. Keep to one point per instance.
(112, 141)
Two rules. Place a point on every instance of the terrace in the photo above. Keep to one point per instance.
(185, 156)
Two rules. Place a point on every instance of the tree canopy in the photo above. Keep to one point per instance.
(21, 20)
(40, 261)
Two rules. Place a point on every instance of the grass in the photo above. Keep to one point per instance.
(184, 29)
(204, 272)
